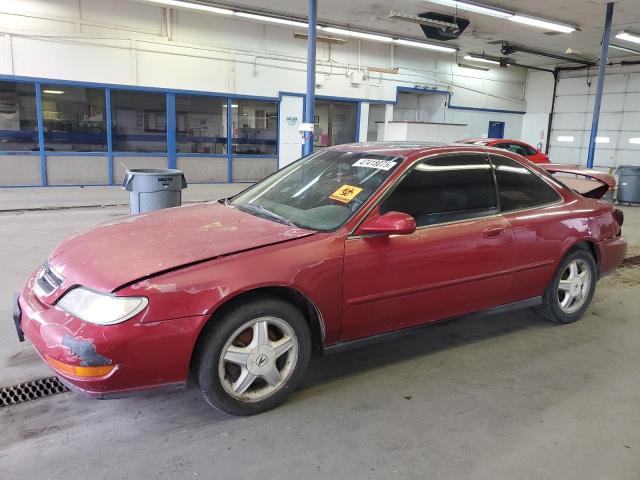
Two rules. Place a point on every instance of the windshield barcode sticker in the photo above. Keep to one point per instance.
(374, 163)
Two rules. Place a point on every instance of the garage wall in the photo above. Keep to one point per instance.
(619, 119)
(127, 43)
(141, 44)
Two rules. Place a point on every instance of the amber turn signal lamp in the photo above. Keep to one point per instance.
(78, 371)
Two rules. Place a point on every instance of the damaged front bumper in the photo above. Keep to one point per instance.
(107, 361)
(17, 314)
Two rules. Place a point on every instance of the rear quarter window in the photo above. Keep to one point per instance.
(519, 188)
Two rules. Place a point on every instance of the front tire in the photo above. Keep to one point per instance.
(252, 357)
(570, 292)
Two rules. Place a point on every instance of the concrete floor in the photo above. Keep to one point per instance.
(501, 397)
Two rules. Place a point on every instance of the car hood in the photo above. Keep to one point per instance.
(110, 255)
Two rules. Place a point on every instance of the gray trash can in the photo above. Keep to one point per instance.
(153, 188)
(628, 184)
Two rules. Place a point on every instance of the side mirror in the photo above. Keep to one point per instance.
(391, 223)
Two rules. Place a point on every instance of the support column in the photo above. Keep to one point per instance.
(601, 71)
(171, 130)
(310, 98)
(41, 149)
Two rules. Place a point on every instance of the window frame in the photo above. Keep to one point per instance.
(545, 180)
(45, 122)
(393, 185)
(37, 141)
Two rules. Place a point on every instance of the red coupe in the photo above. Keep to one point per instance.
(516, 146)
(334, 251)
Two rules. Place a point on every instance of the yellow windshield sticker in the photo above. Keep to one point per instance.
(345, 193)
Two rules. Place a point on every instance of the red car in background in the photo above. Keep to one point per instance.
(516, 146)
(337, 250)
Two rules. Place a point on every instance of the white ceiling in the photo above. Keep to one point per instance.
(372, 15)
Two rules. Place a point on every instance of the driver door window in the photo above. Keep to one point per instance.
(446, 189)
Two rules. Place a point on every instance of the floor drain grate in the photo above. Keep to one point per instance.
(27, 391)
(631, 261)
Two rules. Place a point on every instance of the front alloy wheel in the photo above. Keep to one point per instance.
(258, 359)
(251, 356)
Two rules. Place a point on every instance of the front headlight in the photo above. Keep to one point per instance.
(100, 308)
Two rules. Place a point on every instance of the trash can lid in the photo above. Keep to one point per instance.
(155, 171)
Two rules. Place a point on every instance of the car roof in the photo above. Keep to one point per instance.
(492, 140)
(406, 149)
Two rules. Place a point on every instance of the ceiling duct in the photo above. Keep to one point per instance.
(408, 17)
(509, 48)
(437, 32)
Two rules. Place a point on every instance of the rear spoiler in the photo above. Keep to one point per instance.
(585, 181)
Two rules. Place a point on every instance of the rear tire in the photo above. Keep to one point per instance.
(570, 292)
(251, 358)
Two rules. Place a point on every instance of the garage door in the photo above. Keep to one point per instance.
(618, 140)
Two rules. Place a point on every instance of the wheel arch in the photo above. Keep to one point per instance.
(588, 245)
(308, 308)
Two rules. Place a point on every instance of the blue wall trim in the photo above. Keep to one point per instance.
(107, 97)
(171, 130)
(202, 155)
(75, 154)
(43, 158)
(113, 86)
(139, 154)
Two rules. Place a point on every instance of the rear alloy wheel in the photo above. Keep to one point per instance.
(252, 357)
(574, 286)
(568, 296)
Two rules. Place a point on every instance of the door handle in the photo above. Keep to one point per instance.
(493, 232)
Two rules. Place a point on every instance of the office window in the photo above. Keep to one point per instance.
(255, 127)
(139, 121)
(446, 189)
(74, 119)
(18, 117)
(520, 188)
(201, 124)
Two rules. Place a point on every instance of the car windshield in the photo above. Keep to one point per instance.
(319, 192)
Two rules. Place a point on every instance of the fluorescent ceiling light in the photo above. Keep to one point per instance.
(473, 67)
(475, 58)
(392, 71)
(351, 33)
(635, 140)
(602, 139)
(566, 138)
(625, 49)
(473, 7)
(545, 24)
(193, 6)
(264, 18)
(321, 39)
(427, 46)
(53, 92)
(628, 37)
